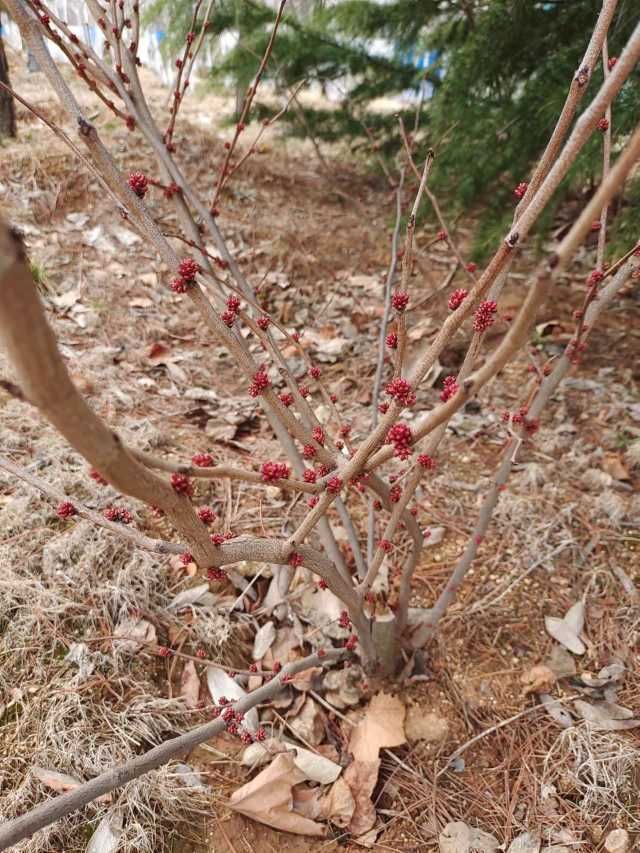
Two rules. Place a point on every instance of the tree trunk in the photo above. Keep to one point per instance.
(7, 105)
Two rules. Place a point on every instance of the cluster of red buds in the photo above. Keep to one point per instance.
(385, 545)
(485, 315)
(216, 574)
(304, 390)
(295, 560)
(449, 388)
(442, 235)
(308, 451)
(188, 269)
(286, 398)
(202, 460)
(471, 267)
(400, 300)
(521, 189)
(351, 643)
(312, 501)
(97, 476)
(309, 475)
(426, 462)
(391, 340)
(66, 509)
(181, 484)
(318, 435)
(457, 298)
(401, 437)
(263, 322)
(611, 62)
(519, 418)
(228, 317)
(400, 389)
(344, 621)
(138, 183)
(603, 124)
(595, 277)
(260, 382)
(271, 471)
(119, 514)
(334, 485)
(165, 652)
(314, 372)
(395, 493)
(596, 225)
(206, 514)
(322, 584)
(186, 558)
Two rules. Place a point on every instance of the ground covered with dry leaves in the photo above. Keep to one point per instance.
(476, 737)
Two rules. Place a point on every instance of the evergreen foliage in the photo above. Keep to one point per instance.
(502, 74)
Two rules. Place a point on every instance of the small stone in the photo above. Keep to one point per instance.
(427, 727)
(617, 841)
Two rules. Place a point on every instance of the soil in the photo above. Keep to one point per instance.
(319, 244)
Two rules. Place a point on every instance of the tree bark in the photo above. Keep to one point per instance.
(7, 104)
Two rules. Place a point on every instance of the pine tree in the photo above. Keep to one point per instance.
(501, 76)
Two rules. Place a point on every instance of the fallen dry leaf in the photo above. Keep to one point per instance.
(269, 798)
(568, 629)
(538, 678)
(61, 782)
(190, 684)
(459, 837)
(613, 465)
(425, 726)
(339, 805)
(382, 726)
(308, 725)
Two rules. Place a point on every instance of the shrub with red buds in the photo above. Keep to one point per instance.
(182, 485)
(449, 388)
(271, 471)
(391, 340)
(206, 514)
(457, 298)
(603, 124)
(334, 485)
(66, 509)
(295, 560)
(260, 382)
(138, 183)
(401, 390)
(521, 189)
(400, 300)
(202, 460)
(485, 315)
(401, 437)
